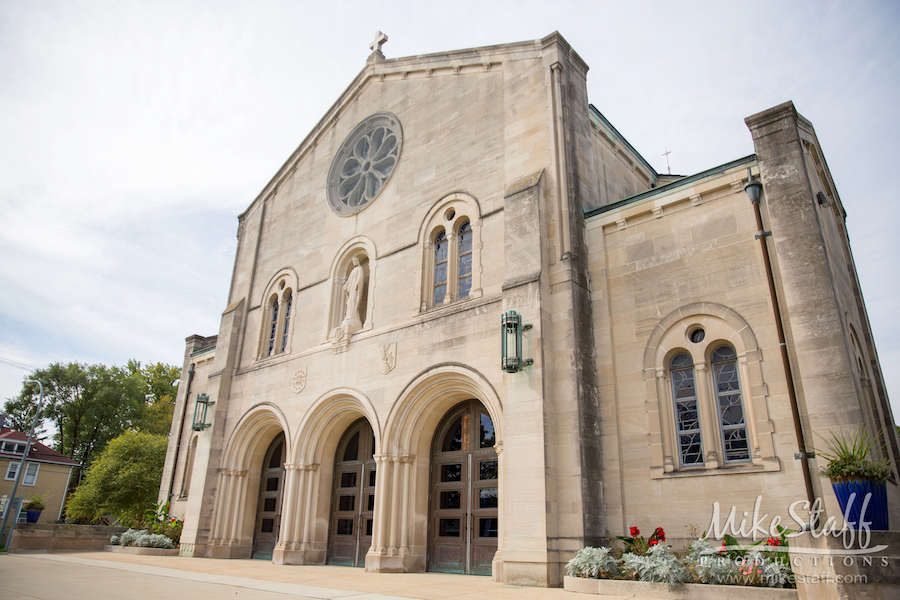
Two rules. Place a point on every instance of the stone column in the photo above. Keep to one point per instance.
(288, 511)
(239, 495)
(406, 463)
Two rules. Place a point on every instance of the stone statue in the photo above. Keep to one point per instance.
(353, 291)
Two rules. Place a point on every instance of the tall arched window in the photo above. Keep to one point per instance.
(275, 335)
(273, 324)
(687, 415)
(289, 300)
(451, 243)
(441, 246)
(732, 424)
(464, 261)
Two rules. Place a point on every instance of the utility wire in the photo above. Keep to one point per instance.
(12, 363)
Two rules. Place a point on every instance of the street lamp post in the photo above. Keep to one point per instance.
(20, 471)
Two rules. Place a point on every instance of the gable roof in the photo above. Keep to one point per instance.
(38, 453)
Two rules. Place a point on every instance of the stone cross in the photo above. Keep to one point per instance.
(380, 39)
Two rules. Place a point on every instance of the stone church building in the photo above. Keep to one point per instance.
(470, 329)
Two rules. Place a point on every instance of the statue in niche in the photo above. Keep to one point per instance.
(354, 288)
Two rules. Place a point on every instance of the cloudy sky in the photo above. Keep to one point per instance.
(132, 134)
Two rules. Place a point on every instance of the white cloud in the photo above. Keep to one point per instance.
(134, 133)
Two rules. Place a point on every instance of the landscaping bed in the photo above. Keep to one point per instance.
(685, 591)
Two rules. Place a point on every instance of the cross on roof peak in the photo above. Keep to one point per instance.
(380, 39)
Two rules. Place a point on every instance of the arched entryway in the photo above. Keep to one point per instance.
(268, 509)
(464, 519)
(353, 497)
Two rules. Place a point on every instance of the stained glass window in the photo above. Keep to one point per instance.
(273, 330)
(730, 405)
(687, 417)
(464, 262)
(287, 319)
(440, 268)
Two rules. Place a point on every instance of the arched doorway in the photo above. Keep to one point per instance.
(464, 515)
(268, 510)
(353, 498)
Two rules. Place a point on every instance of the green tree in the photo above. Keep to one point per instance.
(124, 480)
(89, 405)
(160, 382)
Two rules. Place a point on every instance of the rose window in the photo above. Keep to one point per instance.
(364, 163)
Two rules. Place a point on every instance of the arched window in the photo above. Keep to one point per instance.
(451, 263)
(464, 261)
(441, 245)
(289, 300)
(275, 337)
(687, 415)
(712, 415)
(273, 324)
(732, 424)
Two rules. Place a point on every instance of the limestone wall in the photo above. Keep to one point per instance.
(685, 257)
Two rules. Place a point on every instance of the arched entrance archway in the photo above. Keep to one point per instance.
(268, 509)
(353, 496)
(464, 500)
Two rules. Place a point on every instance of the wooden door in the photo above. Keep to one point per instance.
(353, 497)
(464, 521)
(268, 512)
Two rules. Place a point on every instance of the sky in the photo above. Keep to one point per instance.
(133, 133)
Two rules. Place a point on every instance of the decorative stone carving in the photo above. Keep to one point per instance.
(388, 356)
(340, 339)
(299, 381)
(363, 164)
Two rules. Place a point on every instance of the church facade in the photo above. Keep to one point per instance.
(470, 329)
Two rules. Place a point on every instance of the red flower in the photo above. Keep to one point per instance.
(660, 534)
(654, 542)
(635, 532)
(773, 542)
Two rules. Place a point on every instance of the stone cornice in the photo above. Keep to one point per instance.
(691, 192)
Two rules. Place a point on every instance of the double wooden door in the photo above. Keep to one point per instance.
(353, 497)
(464, 523)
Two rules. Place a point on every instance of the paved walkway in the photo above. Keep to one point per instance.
(103, 575)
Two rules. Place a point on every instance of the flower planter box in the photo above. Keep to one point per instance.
(687, 591)
(139, 550)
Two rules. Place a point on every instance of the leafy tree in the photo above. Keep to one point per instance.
(123, 481)
(89, 405)
(160, 382)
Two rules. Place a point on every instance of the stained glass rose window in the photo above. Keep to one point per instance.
(364, 163)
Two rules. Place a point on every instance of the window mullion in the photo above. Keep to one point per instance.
(709, 418)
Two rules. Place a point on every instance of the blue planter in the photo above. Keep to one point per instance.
(876, 513)
(32, 516)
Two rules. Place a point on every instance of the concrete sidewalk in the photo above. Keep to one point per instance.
(103, 575)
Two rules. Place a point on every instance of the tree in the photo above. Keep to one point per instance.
(160, 382)
(89, 405)
(123, 481)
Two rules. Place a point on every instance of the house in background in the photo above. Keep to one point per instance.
(46, 472)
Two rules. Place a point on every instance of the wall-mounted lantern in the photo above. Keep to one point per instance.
(200, 408)
(511, 328)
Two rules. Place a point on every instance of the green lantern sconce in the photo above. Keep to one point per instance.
(511, 329)
(200, 407)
